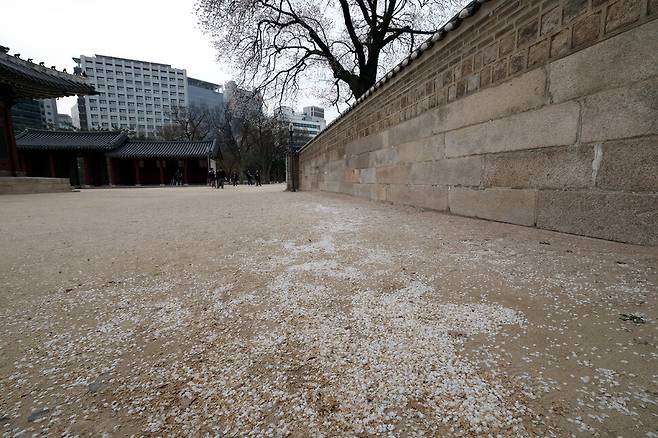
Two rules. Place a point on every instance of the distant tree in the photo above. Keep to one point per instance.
(189, 123)
(276, 45)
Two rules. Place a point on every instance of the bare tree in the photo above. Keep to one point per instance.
(275, 45)
(189, 123)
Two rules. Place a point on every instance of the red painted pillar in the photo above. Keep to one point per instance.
(137, 183)
(51, 160)
(5, 114)
(113, 177)
(87, 177)
(185, 172)
(162, 172)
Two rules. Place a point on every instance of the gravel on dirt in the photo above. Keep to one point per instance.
(257, 312)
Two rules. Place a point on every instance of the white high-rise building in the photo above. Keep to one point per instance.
(306, 124)
(49, 114)
(133, 95)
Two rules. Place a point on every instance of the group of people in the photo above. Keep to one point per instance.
(216, 178)
(177, 180)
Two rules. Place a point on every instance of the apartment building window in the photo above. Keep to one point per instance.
(113, 102)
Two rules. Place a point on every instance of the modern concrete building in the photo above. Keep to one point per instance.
(133, 95)
(306, 124)
(26, 113)
(64, 121)
(204, 94)
(49, 113)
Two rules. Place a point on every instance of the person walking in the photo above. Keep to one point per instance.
(219, 177)
(211, 177)
(257, 178)
(179, 177)
(235, 178)
(249, 178)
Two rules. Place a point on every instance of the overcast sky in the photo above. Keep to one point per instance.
(165, 31)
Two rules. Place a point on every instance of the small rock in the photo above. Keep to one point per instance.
(633, 317)
(35, 415)
(94, 387)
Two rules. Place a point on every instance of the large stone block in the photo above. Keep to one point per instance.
(554, 125)
(396, 174)
(383, 157)
(410, 130)
(455, 171)
(429, 148)
(359, 161)
(367, 144)
(504, 205)
(551, 168)
(627, 57)
(517, 95)
(620, 113)
(425, 196)
(624, 217)
(362, 190)
(630, 165)
(368, 176)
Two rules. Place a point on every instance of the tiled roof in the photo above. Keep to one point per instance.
(468, 11)
(36, 139)
(166, 149)
(26, 79)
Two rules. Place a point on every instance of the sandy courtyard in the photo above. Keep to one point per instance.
(256, 312)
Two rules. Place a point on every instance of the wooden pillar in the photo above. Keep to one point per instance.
(5, 113)
(137, 183)
(185, 171)
(162, 172)
(110, 166)
(85, 170)
(51, 160)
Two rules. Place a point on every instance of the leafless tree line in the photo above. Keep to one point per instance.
(248, 137)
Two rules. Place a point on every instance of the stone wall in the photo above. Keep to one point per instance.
(538, 113)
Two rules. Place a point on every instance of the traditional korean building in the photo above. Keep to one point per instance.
(20, 79)
(156, 162)
(95, 158)
(78, 156)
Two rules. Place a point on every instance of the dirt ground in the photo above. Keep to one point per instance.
(257, 312)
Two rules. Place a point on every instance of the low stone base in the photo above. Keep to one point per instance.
(23, 185)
